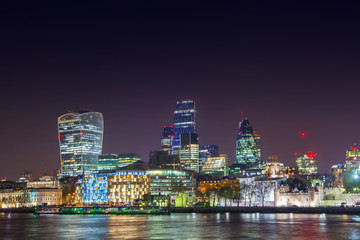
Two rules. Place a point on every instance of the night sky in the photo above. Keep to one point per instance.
(289, 68)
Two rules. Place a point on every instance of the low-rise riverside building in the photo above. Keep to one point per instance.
(118, 187)
(10, 198)
(44, 182)
(170, 182)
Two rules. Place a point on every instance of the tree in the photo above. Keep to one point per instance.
(299, 183)
(238, 194)
(226, 192)
(212, 194)
(249, 192)
(262, 189)
(351, 181)
(200, 194)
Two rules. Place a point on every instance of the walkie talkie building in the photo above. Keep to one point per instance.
(80, 138)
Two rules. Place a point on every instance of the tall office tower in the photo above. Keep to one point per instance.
(80, 138)
(113, 161)
(184, 122)
(216, 166)
(189, 151)
(163, 160)
(206, 151)
(306, 163)
(352, 158)
(166, 139)
(247, 150)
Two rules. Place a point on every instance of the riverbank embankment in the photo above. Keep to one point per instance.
(308, 210)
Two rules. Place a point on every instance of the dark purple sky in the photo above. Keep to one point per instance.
(290, 68)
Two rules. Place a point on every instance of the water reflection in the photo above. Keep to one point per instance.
(180, 226)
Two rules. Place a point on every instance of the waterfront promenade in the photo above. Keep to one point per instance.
(306, 210)
(309, 210)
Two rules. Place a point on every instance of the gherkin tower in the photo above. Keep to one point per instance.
(247, 149)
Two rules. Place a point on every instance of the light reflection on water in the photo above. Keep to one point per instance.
(180, 226)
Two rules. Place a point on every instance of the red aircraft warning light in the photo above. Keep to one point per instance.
(310, 155)
(302, 134)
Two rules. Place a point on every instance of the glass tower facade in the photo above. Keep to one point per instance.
(247, 150)
(113, 161)
(165, 182)
(166, 139)
(184, 122)
(216, 166)
(206, 151)
(80, 138)
(352, 158)
(189, 151)
(306, 163)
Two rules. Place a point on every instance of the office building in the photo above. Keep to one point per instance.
(166, 139)
(80, 138)
(352, 158)
(44, 182)
(306, 163)
(117, 187)
(189, 151)
(217, 167)
(170, 182)
(206, 151)
(247, 149)
(163, 160)
(184, 122)
(113, 161)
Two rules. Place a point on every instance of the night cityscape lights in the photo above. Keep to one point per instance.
(182, 173)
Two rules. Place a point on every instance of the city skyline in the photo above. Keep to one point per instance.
(133, 63)
(291, 162)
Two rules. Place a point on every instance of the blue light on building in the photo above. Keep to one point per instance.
(184, 122)
(113, 187)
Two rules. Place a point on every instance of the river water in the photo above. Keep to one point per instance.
(180, 226)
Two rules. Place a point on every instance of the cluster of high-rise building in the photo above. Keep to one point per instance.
(123, 178)
(172, 174)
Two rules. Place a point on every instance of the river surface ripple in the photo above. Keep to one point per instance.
(180, 226)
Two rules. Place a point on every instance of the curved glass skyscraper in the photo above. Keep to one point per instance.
(80, 138)
(247, 150)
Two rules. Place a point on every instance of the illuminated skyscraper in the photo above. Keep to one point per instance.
(189, 151)
(206, 151)
(306, 163)
(352, 158)
(184, 122)
(247, 149)
(80, 138)
(166, 139)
